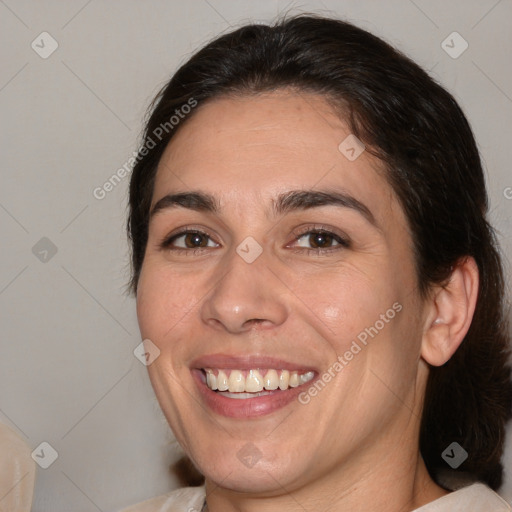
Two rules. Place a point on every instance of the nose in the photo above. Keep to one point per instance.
(247, 296)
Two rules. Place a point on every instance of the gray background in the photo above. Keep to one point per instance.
(68, 375)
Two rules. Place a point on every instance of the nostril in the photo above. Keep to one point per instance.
(254, 320)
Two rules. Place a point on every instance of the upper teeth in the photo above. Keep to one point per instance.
(253, 381)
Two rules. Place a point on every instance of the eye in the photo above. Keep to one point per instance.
(314, 240)
(320, 240)
(188, 240)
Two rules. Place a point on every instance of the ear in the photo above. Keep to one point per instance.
(450, 310)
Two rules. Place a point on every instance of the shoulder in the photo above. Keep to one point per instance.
(186, 499)
(477, 496)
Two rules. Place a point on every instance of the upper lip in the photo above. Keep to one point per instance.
(247, 362)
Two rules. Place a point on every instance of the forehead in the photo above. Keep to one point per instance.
(252, 148)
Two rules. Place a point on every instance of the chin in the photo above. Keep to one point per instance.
(255, 480)
(247, 469)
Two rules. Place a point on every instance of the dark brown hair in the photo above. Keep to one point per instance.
(418, 131)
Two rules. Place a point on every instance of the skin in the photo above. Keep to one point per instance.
(354, 446)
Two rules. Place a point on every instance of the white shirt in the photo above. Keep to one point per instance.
(472, 498)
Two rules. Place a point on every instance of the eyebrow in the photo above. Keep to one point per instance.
(294, 200)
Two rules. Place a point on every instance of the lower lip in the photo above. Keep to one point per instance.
(248, 407)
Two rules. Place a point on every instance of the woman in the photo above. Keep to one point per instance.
(319, 291)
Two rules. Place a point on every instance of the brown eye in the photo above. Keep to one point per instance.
(188, 240)
(321, 240)
(193, 240)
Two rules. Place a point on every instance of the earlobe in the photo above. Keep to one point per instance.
(451, 309)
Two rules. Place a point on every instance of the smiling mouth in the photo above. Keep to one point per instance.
(243, 384)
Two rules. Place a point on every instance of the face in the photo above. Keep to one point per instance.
(287, 282)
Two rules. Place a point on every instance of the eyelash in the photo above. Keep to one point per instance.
(343, 242)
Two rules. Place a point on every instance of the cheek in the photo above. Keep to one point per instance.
(163, 302)
(347, 303)
(369, 318)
